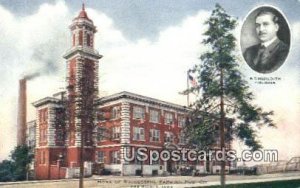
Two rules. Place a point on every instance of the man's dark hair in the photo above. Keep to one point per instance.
(268, 12)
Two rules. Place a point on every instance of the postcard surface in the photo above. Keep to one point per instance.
(71, 70)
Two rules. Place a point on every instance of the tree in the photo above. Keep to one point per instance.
(21, 158)
(224, 103)
(6, 171)
(16, 168)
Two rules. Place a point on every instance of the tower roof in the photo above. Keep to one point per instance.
(83, 13)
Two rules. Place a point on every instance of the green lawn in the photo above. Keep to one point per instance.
(277, 184)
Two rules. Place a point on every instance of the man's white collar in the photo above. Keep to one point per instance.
(268, 43)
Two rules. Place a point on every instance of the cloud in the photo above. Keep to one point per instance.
(30, 45)
(155, 68)
(36, 43)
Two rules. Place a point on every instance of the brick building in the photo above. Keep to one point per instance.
(134, 121)
(109, 127)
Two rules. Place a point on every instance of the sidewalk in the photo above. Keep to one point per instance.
(151, 182)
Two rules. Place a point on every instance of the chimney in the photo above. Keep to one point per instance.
(21, 121)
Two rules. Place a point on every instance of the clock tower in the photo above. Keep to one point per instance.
(82, 89)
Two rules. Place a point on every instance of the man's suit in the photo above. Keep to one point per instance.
(266, 59)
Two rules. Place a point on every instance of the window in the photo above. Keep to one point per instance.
(31, 133)
(43, 157)
(43, 115)
(169, 137)
(100, 134)
(168, 118)
(80, 38)
(31, 136)
(87, 136)
(43, 135)
(102, 116)
(73, 39)
(154, 116)
(138, 112)
(100, 157)
(59, 136)
(182, 139)
(181, 121)
(88, 39)
(154, 135)
(92, 44)
(116, 132)
(115, 112)
(138, 133)
(155, 162)
(115, 157)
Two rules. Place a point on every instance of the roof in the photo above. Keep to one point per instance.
(46, 100)
(128, 95)
(117, 96)
(83, 14)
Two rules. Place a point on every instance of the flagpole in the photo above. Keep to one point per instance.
(188, 87)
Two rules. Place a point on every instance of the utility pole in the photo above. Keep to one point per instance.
(222, 120)
(142, 168)
(188, 87)
(81, 167)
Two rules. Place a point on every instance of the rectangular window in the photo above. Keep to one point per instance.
(169, 118)
(43, 115)
(138, 133)
(115, 157)
(100, 157)
(43, 135)
(169, 137)
(100, 134)
(115, 112)
(138, 112)
(73, 39)
(31, 133)
(80, 38)
(116, 132)
(59, 136)
(88, 39)
(182, 139)
(154, 135)
(155, 162)
(43, 157)
(136, 161)
(181, 121)
(154, 116)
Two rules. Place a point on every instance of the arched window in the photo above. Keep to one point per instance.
(88, 39)
(80, 38)
(74, 39)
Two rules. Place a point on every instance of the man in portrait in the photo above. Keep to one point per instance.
(271, 52)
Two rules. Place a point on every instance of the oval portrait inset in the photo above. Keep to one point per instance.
(265, 39)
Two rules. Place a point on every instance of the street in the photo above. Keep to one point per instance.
(149, 182)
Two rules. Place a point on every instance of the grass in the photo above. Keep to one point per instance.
(277, 184)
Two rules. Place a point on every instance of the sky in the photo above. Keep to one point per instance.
(147, 47)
